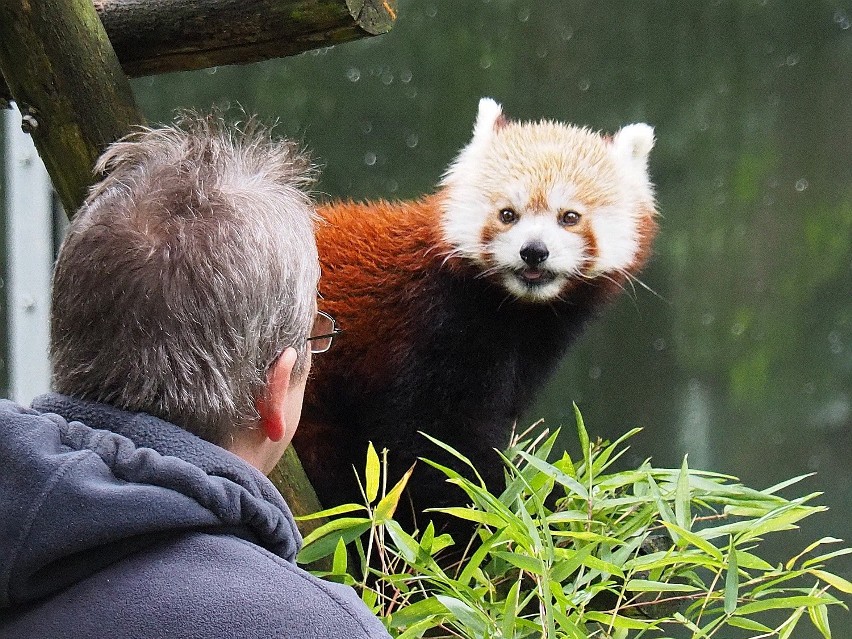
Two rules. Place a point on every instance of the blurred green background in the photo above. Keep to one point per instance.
(740, 355)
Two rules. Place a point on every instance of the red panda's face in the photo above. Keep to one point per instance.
(541, 206)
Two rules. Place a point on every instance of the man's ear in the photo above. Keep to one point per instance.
(272, 407)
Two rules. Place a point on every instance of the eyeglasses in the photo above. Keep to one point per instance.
(323, 332)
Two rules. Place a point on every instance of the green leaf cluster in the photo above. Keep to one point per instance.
(574, 549)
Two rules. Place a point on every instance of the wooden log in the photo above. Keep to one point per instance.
(160, 36)
(69, 86)
(291, 481)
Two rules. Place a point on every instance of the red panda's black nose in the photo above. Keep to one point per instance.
(534, 253)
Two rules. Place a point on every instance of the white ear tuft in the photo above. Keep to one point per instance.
(486, 119)
(634, 141)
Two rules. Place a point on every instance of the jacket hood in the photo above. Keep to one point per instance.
(84, 484)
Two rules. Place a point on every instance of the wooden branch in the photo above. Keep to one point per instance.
(290, 479)
(160, 36)
(69, 87)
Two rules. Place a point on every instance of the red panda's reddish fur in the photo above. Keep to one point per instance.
(381, 263)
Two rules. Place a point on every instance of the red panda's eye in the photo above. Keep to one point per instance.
(507, 216)
(569, 218)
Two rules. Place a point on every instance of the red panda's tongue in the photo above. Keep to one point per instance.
(532, 274)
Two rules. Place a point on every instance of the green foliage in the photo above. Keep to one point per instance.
(572, 549)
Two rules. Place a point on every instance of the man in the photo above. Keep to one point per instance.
(133, 501)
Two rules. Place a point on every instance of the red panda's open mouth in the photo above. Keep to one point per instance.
(535, 276)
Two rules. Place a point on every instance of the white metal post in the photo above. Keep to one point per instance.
(29, 238)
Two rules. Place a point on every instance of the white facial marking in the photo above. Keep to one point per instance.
(541, 169)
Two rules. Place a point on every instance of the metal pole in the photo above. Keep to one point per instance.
(29, 240)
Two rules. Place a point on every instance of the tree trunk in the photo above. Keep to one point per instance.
(290, 479)
(69, 86)
(160, 36)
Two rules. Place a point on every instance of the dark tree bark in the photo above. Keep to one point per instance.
(69, 86)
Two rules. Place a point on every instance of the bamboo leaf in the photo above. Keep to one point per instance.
(372, 473)
(510, 611)
(338, 565)
(333, 526)
(833, 580)
(825, 540)
(387, 504)
(405, 543)
(417, 612)
(533, 565)
(452, 451)
(604, 566)
(695, 539)
(819, 618)
(748, 624)
(557, 475)
(780, 603)
(645, 585)
(322, 547)
(332, 512)
(821, 558)
(469, 616)
(584, 439)
(683, 516)
(617, 621)
(789, 626)
(777, 487)
(471, 514)
(732, 580)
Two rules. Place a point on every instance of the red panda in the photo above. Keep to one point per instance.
(455, 308)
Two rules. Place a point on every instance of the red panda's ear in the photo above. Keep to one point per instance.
(634, 142)
(488, 119)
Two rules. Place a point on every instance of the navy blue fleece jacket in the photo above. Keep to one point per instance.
(116, 524)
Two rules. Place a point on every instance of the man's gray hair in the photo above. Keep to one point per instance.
(190, 267)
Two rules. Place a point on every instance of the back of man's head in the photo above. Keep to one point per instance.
(190, 267)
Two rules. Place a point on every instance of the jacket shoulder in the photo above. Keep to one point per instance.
(204, 586)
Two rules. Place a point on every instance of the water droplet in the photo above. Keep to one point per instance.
(410, 92)
(835, 343)
(387, 78)
(841, 19)
(369, 158)
(792, 60)
(354, 74)
(801, 184)
(211, 70)
(584, 84)
(567, 33)
(737, 329)
(541, 53)
(392, 186)
(431, 11)
(707, 319)
(595, 372)
(524, 14)
(659, 344)
(366, 128)
(405, 76)
(412, 140)
(485, 61)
